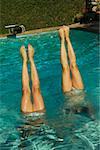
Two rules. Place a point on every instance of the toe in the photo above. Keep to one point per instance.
(22, 48)
(30, 46)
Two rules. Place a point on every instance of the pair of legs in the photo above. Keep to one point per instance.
(27, 106)
(67, 82)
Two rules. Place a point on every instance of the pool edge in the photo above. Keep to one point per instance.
(78, 26)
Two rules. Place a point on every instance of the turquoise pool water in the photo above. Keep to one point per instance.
(58, 129)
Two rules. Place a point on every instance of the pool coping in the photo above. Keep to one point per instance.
(78, 26)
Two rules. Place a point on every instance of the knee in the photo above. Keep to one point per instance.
(65, 67)
(26, 90)
(36, 87)
(73, 65)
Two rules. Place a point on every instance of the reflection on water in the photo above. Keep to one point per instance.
(65, 132)
(36, 133)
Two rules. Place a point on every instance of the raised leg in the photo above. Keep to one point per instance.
(76, 76)
(66, 80)
(26, 104)
(38, 103)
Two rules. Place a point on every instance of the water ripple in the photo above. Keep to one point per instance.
(56, 130)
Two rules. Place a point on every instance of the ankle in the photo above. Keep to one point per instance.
(31, 59)
(62, 40)
(67, 38)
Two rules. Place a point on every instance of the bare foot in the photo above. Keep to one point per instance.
(30, 51)
(61, 33)
(23, 53)
(66, 31)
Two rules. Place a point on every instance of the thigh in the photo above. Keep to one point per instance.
(26, 104)
(76, 78)
(66, 80)
(38, 103)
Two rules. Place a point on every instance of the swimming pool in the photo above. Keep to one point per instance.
(56, 130)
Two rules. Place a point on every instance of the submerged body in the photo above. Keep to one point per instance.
(75, 102)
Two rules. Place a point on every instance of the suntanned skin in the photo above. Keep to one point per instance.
(67, 82)
(27, 106)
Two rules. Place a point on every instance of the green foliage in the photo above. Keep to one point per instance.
(34, 14)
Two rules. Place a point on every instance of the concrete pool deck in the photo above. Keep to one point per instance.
(92, 27)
